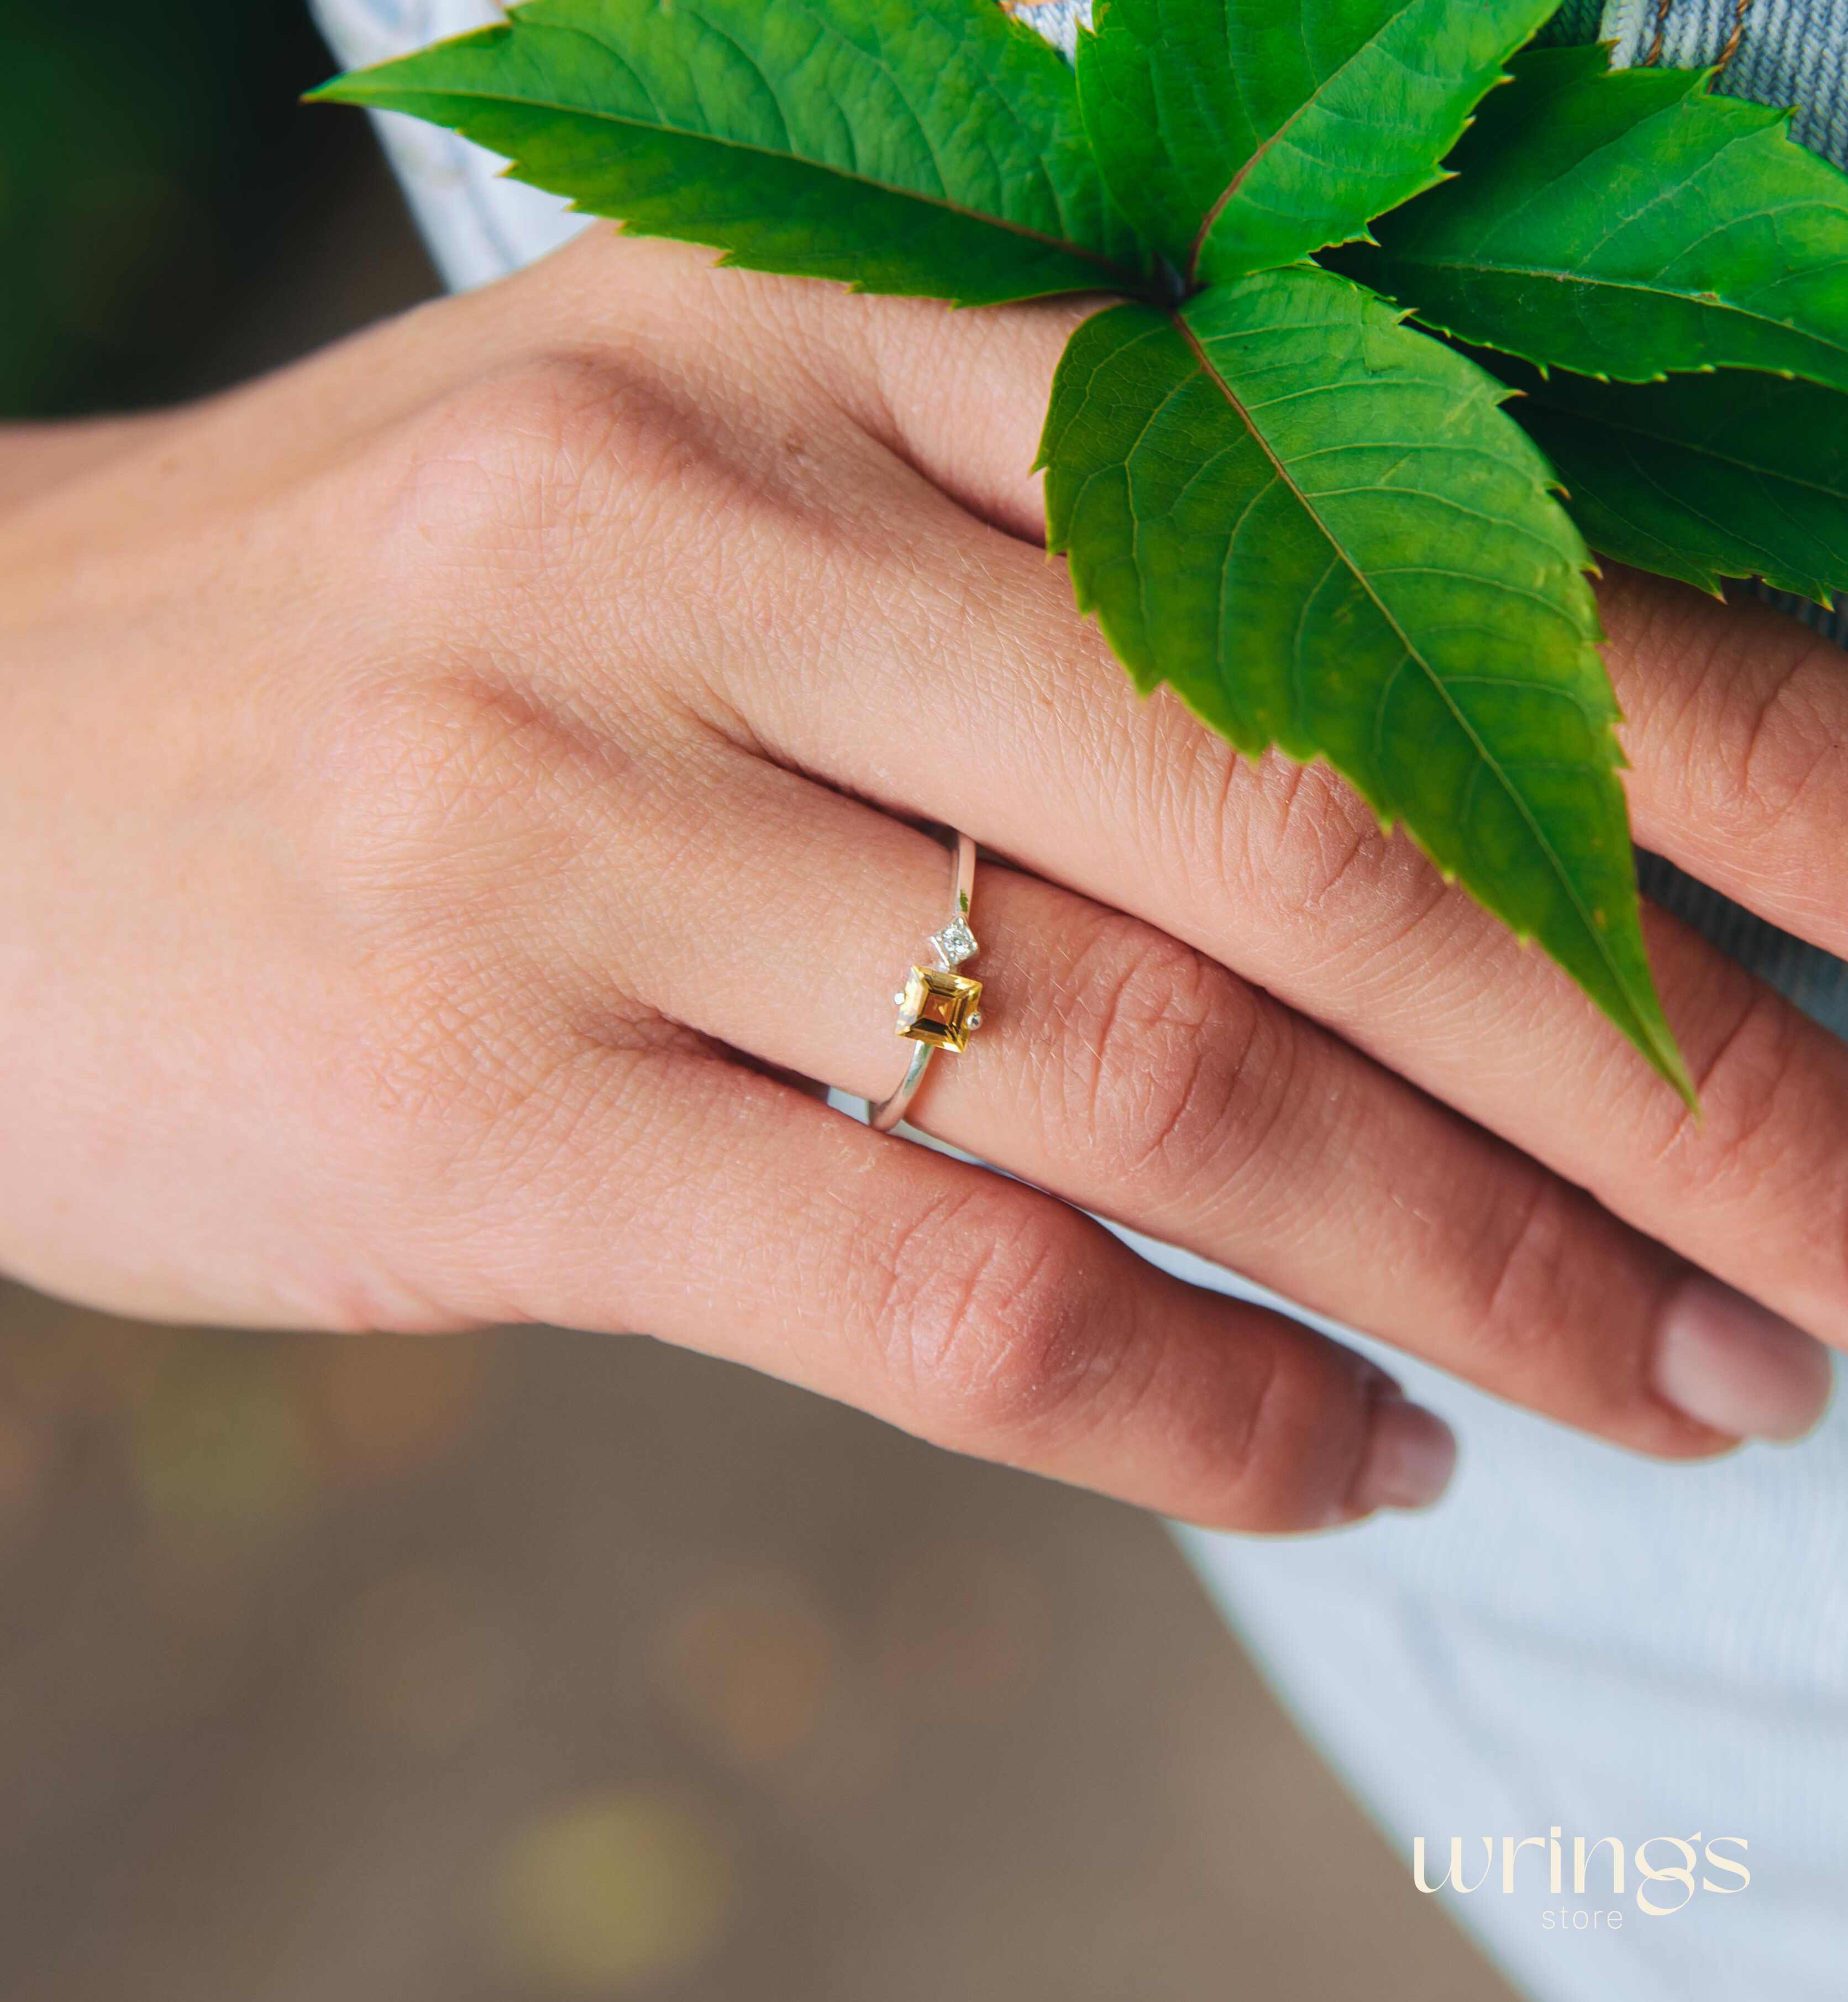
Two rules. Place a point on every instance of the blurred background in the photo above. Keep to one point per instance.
(532, 1664)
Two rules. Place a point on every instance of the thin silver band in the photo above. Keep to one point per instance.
(886, 1113)
(883, 1117)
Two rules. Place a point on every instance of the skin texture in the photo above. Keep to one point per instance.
(457, 792)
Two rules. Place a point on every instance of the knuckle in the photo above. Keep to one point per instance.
(1293, 1446)
(1319, 843)
(1300, 842)
(1760, 1155)
(1158, 1043)
(1789, 750)
(589, 512)
(1744, 1088)
(1528, 1272)
(993, 1323)
(424, 779)
(503, 475)
(1265, 1468)
(438, 825)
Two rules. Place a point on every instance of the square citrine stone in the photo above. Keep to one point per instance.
(939, 1006)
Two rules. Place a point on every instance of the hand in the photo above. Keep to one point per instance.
(453, 791)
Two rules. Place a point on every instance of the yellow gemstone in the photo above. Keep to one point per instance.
(938, 1006)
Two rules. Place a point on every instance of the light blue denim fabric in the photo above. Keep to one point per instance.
(1789, 52)
(1580, 21)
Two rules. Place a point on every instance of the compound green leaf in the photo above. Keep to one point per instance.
(927, 147)
(1243, 134)
(1700, 477)
(1320, 527)
(1625, 223)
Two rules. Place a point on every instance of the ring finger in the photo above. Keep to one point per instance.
(1132, 1074)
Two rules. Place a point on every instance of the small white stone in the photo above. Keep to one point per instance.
(955, 943)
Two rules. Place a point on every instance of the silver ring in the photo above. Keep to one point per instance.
(939, 1008)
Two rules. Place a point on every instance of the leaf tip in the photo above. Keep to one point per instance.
(1665, 1055)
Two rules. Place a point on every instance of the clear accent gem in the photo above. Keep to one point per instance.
(955, 943)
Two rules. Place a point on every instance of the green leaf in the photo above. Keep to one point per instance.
(1317, 525)
(1700, 477)
(1244, 133)
(1625, 222)
(927, 147)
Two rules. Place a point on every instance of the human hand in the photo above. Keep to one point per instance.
(452, 794)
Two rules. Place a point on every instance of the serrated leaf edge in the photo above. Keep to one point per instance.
(1701, 83)
(1111, 276)
(1649, 1033)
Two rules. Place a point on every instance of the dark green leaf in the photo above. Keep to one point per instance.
(929, 147)
(1242, 134)
(1625, 222)
(1701, 477)
(1318, 525)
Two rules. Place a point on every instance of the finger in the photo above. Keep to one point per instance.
(702, 1203)
(1736, 728)
(978, 698)
(1280, 872)
(1128, 1073)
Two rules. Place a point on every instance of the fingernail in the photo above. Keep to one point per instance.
(1411, 1455)
(1729, 1363)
